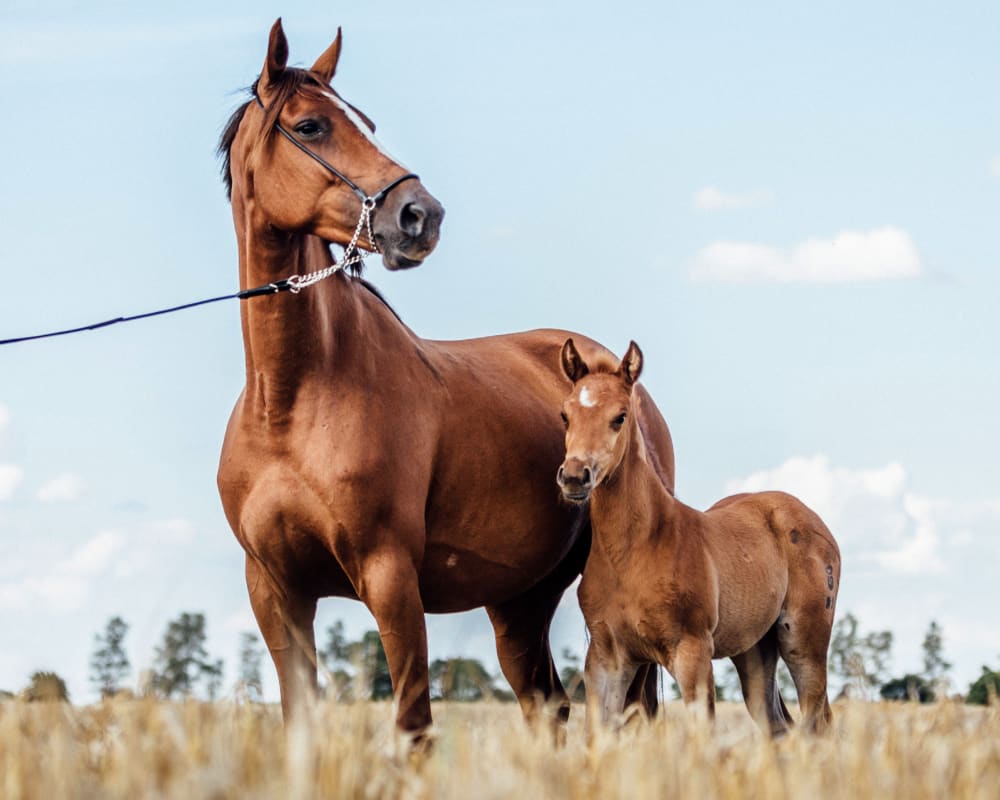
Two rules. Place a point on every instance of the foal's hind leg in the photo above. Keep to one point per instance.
(803, 646)
(756, 668)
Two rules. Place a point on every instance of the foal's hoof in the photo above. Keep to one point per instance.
(419, 748)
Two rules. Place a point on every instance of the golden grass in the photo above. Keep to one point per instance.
(147, 749)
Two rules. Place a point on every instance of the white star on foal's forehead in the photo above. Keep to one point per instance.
(586, 398)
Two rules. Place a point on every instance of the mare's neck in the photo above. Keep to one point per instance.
(288, 337)
(631, 506)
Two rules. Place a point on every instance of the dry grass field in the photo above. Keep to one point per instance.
(150, 749)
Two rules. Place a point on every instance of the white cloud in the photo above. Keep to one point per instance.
(886, 253)
(711, 198)
(995, 166)
(93, 556)
(61, 489)
(51, 43)
(875, 517)
(173, 531)
(10, 477)
(65, 585)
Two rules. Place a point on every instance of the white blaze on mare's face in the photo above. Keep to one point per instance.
(364, 129)
(586, 399)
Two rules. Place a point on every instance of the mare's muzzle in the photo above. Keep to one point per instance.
(407, 225)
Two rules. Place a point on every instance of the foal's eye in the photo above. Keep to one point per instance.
(309, 129)
(565, 419)
(618, 421)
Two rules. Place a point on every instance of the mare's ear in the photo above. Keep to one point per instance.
(326, 64)
(277, 57)
(572, 362)
(631, 367)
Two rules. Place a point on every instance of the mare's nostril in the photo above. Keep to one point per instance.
(411, 219)
(586, 476)
(560, 479)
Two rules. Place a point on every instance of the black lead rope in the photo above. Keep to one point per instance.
(293, 284)
(257, 291)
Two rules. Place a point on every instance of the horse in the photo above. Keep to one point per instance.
(754, 576)
(361, 460)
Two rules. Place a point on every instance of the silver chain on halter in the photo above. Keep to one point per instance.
(352, 254)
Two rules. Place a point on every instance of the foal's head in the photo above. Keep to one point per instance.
(284, 182)
(597, 417)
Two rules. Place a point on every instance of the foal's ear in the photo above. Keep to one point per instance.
(631, 367)
(326, 64)
(277, 56)
(572, 362)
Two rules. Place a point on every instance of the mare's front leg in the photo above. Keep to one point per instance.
(285, 618)
(388, 585)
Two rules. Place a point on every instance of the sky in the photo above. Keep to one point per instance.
(792, 208)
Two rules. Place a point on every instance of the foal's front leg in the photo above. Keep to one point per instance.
(607, 682)
(692, 668)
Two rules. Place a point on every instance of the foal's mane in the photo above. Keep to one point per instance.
(602, 365)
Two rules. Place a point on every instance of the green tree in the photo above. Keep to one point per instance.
(364, 658)
(986, 689)
(46, 687)
(935, 667)
(571, 676)
(109, 665)
(909, 687)
(367, 656)
(182, 664)
(463, 679)
(251, 657)
(861, 661)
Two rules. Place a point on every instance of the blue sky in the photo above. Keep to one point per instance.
(792, 208)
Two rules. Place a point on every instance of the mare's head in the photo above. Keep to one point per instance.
(273, 149)
(597, 416)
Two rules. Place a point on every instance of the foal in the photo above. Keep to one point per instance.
(754, 576)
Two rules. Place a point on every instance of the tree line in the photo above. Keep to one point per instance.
(358, 669)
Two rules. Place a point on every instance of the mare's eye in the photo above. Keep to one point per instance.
(309, 129)
(565, 419)
(617, 422)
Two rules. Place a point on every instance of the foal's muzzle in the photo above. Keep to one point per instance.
(407, 226)
(576, 480)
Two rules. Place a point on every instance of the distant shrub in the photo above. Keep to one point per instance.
(986, 689)
(46, 687)
(909, 687)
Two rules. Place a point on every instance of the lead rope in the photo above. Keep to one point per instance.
(293, 283)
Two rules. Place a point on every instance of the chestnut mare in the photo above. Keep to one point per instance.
(754, 576)
(363, 461)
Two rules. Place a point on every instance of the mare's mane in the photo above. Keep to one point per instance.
(291, 80)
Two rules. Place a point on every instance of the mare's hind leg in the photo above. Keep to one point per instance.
(643, 691)
(521, 626)
(286, 624)
(756, 668)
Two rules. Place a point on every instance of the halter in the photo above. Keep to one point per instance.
(352, 255)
